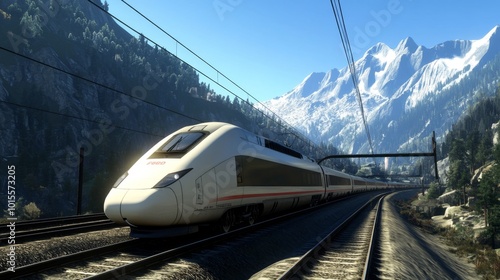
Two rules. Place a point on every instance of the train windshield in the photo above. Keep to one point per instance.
(179, 144)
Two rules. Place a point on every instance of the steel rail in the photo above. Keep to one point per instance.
(312, 255)
(374, 241)
(168, 255)
(30, 224)
(31, 269)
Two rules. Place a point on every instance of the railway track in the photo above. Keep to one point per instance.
(48, 222)
(128, 257)
(46, 228)
(52, 267)
(347, 252)
(172, 264)
(125, 258)
(157, 259)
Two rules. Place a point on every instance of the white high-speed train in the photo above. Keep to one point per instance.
(219, 173)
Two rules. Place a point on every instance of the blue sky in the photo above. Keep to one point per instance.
(268, 47)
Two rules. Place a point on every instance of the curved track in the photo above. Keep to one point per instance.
(136, 255)
(345, 253)
(159, 258)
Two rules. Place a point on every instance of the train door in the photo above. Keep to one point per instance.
(206, 190)
(228, 195)
(217, 187)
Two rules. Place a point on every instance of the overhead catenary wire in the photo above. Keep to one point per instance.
(92, 82)
(286, 126)
(196, 55)
(339, 18)
(281, 121)
(99, 122)
(177, 43)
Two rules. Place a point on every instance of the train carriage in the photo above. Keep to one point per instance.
(338, 183)
(218, 173)
(208, 172)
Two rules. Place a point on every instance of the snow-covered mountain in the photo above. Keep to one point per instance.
(407, 92)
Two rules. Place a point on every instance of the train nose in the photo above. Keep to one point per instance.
(112, 205)
(145, 207)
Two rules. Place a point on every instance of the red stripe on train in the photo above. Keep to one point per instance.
(241, 196)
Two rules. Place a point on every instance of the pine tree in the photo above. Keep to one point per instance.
(485, 148)
(489, 195)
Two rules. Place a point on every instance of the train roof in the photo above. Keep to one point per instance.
(213, 126)
(207, 126)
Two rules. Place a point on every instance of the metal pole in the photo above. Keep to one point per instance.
(80, 183)
(378, 155)
(435, 155)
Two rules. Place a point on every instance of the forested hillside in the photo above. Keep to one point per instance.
(473, 148)
(474, 130)
(470, 146)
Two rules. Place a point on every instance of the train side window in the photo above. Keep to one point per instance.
(252, 138)
(338, 181)
(253, 172)
(179, 144)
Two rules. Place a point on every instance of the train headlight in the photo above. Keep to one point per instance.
(171, 178)
(120, 179)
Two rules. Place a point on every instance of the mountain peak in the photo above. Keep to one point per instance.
(378, 47)
(396, 84)
(309, 85)
(407, 44)
(494, 31)
(493, 34)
